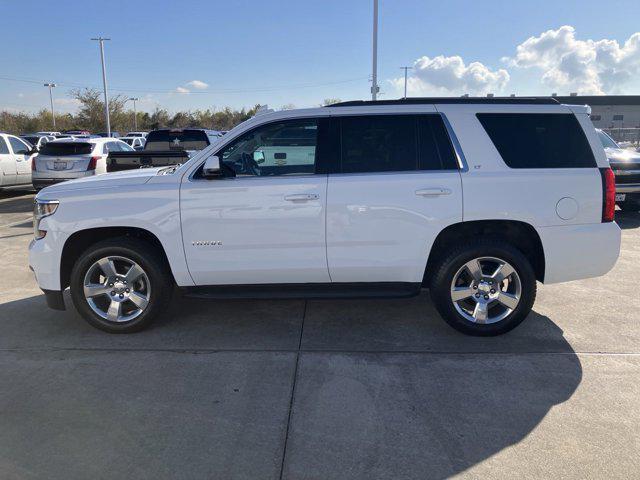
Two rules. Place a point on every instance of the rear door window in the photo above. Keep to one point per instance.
(4, 149)
(18, 146)
(66, 148)
(538, 140)
(434, 146)
(378, 143)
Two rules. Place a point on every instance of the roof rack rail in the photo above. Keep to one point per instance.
(453, 100)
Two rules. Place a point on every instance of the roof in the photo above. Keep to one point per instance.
(454, 100)
(568, 100)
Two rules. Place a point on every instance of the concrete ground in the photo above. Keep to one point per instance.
(371, 389)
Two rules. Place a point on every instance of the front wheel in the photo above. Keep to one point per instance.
(120, 285)
(485, 288)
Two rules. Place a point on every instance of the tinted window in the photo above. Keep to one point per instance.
(538, 140)
(378, 143)
(177, 140)
(282, 148)
(128, 140)
(3, 146)
(618, 117)
(66, 148)
(434, 147)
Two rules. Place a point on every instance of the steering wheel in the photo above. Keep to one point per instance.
(248, 165)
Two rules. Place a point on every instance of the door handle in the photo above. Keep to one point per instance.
(302, 197)
(433, 192)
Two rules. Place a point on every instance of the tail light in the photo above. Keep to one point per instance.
(608, 194)
(92, 163)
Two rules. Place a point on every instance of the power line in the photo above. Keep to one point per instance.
(207, 92)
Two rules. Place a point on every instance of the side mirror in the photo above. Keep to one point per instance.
(211, 167)
(33, 151)
(258, 156)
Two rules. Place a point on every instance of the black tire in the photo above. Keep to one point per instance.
(455, 258)
(142, 253)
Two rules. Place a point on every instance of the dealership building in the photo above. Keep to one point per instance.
(617, 114)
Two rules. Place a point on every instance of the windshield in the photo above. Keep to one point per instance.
(66, 148)
(176, 140)
(31, 140)
(607, 141)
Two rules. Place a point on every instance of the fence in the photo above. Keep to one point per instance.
(625, 135)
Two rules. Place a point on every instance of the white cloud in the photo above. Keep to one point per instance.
(584, 66)
(198, 84)
(182, 90)
(450, 76)
(67, 102)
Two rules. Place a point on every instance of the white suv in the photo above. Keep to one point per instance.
(15, 161)
(475, 198)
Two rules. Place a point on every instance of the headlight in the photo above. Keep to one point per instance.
(41, 209)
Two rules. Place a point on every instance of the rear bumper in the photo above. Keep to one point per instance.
(627, 187)
(574, 252)
(45, 182)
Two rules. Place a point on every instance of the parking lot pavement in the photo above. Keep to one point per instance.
(320, 389)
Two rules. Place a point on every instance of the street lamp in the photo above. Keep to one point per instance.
(374, 77)
(135, 114)
(104, 83)
(53, 113)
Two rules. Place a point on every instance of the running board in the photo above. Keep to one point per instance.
(306, 290)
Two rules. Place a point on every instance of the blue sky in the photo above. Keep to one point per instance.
(300, 52)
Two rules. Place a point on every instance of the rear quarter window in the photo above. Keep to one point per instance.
(538, 140)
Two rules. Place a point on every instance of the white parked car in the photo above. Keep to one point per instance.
(137, 143)
(476, 199)
(69, 158)
(50, 133)
(137, 134)
(15, 161)
(37, 139)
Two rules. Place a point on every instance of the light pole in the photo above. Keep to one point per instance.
(406, 69)
(374, 77)
(104, 83)
(53, 113)
(135, 114)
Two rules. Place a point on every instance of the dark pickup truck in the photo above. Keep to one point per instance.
(164, 147)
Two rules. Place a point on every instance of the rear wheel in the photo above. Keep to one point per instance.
(485, 288)
(120, 285)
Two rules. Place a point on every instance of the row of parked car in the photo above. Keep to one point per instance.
(46, 158)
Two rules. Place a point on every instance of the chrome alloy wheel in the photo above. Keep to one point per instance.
(486, 290)
(117, 289)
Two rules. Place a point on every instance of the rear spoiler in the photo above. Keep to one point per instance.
(579, 109)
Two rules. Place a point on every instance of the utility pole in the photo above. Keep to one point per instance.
(374, 77)
(53, 113)
(135, 114)
(104, 83)
(406, 69)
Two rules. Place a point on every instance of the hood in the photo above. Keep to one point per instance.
(116, 179)
(622, 155)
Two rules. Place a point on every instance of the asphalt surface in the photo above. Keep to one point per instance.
(371, 389)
